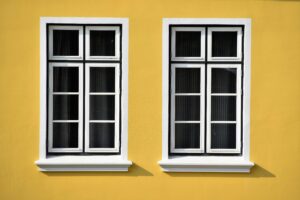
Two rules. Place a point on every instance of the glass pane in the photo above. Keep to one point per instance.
(102, 79)
(187, 136)
(223, 80)
(102, 43)
(65, 135)
(65, 107)
(102, 107)
(223, 108)
(187, 108)
(65, 79)
(224, 44)
(65, 42)
(223, 136)
(188, 43)
(102, 135)
(187, 80)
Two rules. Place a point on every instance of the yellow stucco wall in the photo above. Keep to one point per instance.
(275, 103)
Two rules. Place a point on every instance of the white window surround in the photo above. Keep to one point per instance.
(170, 163)
(83, 163)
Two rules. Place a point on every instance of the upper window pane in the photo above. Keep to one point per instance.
(223, 80)
(187, 80)
(224, 44)
(102, 43)
(188, 44)
(65, 79)
(65, 42)
(102, 79)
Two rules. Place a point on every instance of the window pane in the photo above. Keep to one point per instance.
(187, 80)
(102, 107)
(65, 79)
(223, 136)
(187, 136)
(102, 135)
(187, 108)
(188, 43)
(65, 42)
(224, 44)
(102, 79)
(223, 108)
(223, 80)
(65, 107)
(65, 135)
(102, 43)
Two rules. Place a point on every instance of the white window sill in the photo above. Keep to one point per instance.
(83, 163)
(206, 164)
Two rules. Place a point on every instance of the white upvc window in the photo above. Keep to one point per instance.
(84, 94)
(206, 95)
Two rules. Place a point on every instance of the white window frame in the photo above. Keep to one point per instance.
(202, 104)
(173, 46)
(215, 163)
(226, 29)
(80, 47)
(80, 108)
(116, 162)
(103, 28)
(87, 106)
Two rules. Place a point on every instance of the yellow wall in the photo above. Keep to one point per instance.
(275, 103)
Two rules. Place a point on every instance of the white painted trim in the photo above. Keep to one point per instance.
(226, 29)
(102, 28)
(102, 162)
(202, 43)
(199, 164)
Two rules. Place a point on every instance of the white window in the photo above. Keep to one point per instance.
(83, 94)
(206, 81)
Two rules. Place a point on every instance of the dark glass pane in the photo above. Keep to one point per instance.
(187, 108)
(188, 43)
(65, 135)
(102, 135)
(102, 107)
(65, 42)
(223, 80)
(223, 108)
(102, 79)
(65, 79)
(102, 43)
(223, 136)
(65, 107)
(187, 136)
(224, 44)
(187, 80)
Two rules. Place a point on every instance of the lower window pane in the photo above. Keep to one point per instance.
(102, 107)
(223, 136)
(223, 108)
(187, 136)
(65, 135)
(187, 108)
(65, 107)
(102, 135)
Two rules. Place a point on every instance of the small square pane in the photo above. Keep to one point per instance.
(102, 107)
(65, 79)
(223, 136)
(65, 107)
(223, 108)
(102, 79)
(102, 135)
(102, 43)
(223, 80)
(187, 80)
(188, 44)
(65, 42)
(187, 136)
(224, 44)
(187, 108)
(65, 135)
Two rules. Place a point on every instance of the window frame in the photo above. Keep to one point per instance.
(58, 162)
(214, 163)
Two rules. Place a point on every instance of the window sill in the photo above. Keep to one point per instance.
(83, 163)
(206, 164)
